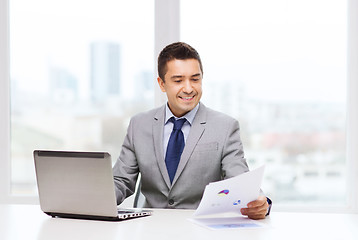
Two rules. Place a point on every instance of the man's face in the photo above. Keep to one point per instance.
(182, 84)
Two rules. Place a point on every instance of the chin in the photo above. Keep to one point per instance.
(188, 108)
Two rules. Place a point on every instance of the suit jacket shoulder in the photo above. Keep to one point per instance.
(155, 113)
(216, 116)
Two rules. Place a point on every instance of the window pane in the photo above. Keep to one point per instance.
(279, 67)
(79, 71)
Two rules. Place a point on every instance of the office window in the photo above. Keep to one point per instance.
(79, 70)
(279, 67)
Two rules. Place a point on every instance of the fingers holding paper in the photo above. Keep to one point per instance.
(256, 209)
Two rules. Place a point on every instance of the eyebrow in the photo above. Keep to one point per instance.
(176, 76)
(180, 76)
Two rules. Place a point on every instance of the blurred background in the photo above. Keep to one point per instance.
(80, 69)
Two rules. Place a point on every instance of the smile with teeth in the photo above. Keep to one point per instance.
(187, 98)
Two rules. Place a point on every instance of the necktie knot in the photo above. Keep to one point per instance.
(178, 124)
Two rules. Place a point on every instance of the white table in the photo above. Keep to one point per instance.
(29, 222)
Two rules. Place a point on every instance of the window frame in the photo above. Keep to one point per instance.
(167, 30)
(4, 103)
(352, 106)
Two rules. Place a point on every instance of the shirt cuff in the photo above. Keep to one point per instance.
(269, 207)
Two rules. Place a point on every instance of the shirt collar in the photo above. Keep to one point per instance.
(189, 116)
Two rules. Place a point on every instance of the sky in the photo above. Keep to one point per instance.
(279, 49)
(59, 33)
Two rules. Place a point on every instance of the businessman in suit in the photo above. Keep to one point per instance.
(182, 146)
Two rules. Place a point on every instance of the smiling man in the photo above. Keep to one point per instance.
(182, 84)
(182, 146)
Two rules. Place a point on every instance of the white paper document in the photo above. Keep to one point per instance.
(227, 223)
(230, 195)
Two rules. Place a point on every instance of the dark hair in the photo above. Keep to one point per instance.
(177, 50)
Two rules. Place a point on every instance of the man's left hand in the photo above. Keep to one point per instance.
(256, 209)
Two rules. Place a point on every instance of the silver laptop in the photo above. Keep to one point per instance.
(79, 185)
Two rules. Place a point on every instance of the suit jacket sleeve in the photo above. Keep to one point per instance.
(233, 161)
(125, 170)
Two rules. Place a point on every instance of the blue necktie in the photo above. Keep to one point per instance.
(175, 147)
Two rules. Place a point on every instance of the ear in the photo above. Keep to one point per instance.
(161, 84)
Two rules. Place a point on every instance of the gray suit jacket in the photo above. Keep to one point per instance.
(213, 151)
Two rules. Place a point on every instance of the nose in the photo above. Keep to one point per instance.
(187, 88)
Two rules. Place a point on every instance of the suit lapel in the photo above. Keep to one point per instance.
(158, 126)
(196, 131)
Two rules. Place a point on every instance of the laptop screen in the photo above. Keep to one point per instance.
(79, 183)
